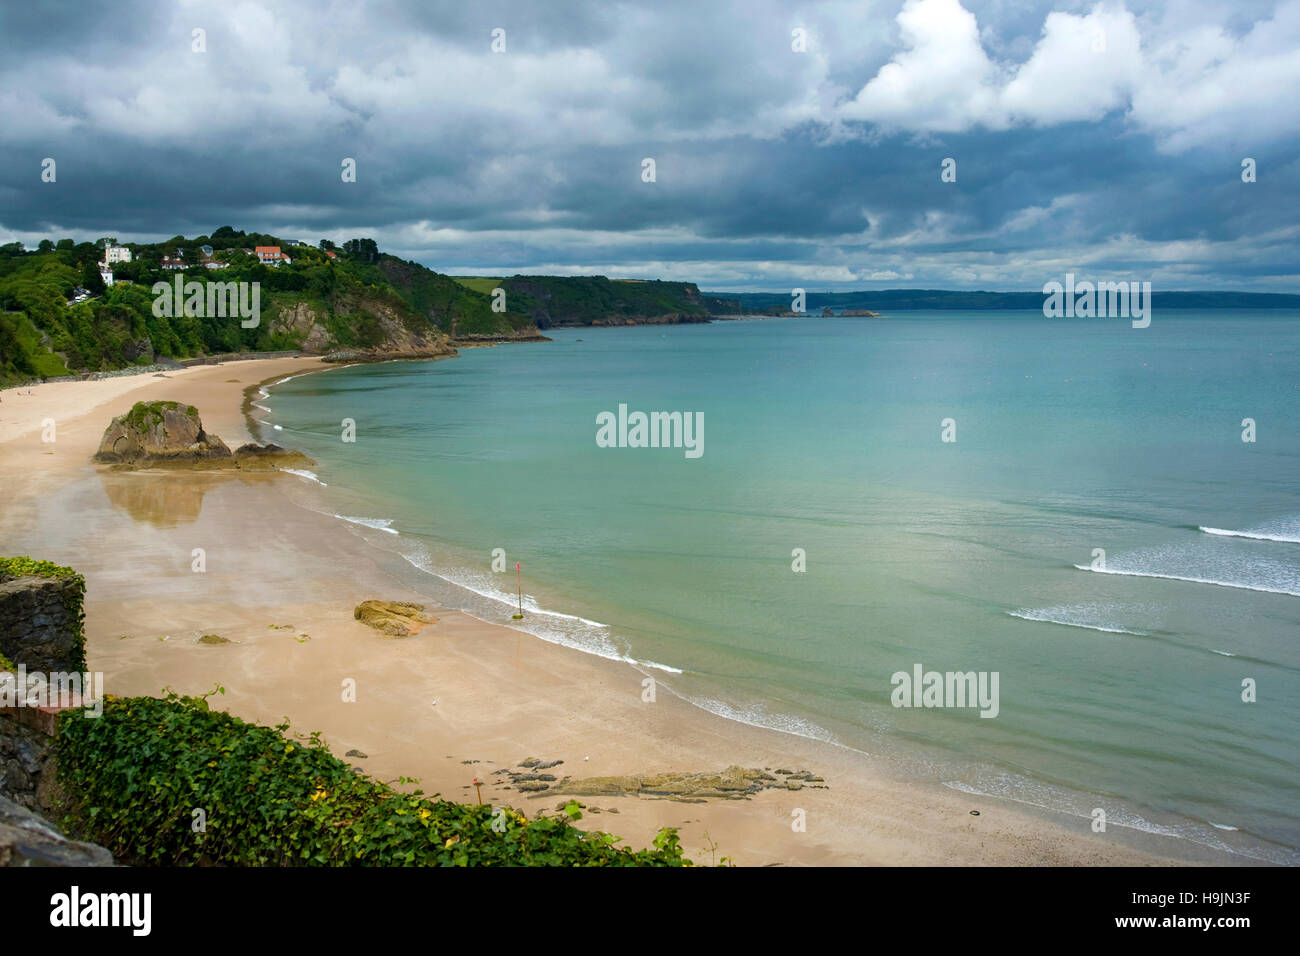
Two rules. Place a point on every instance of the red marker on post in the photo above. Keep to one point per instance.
(519, 581)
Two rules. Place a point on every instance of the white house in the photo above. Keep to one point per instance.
(116, 254)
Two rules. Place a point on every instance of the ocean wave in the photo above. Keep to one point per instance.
(303, 473)
(379, 524)
(1289, 537)
(753, 715)
(475, 581)
(556, 627)
(1191, 579)
(659, 667)
(1018, 789)
(1071, 616)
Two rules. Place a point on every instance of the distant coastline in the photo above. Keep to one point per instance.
(902, 300)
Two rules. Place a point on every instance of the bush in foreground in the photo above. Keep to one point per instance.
(132, 780)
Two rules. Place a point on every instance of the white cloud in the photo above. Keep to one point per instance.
(1204, 86)
(1082, 68)
(1188, 85)
(944, 82)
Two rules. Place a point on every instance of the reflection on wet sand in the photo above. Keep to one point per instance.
(162, 499)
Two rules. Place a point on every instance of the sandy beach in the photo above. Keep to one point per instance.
(463, 698)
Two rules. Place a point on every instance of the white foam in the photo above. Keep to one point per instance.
(379, 524)
(754, 716)
(1290, 538)
(1224, 653)
(555, 627)
(1190, 579)
(473, 581)
(302, 473)
(1057, 615)
(1013, 787)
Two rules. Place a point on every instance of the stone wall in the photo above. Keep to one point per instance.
(27, 768)
(40, 622)
(41, 628)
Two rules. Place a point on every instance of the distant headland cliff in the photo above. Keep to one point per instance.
(70, 308)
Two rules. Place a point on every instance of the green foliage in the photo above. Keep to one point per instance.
(582, 300)
(144, 415)
(458, 309)
(74, 597)
(133, 777)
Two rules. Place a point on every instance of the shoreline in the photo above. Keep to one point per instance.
(464, 691)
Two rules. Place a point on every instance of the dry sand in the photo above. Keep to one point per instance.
(461, 699)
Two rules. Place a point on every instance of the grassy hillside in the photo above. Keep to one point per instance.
(458, 308)
(481, 284)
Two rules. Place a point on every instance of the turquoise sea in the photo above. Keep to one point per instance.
(1121, 690)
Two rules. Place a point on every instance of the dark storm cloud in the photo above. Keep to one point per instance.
(774, 168)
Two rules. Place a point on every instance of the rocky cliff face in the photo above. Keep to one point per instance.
(371, 330)
(163, 434)
(300, 322)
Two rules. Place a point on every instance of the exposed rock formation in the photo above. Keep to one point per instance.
(269, 457)
(394, 618)
(169, 434)
(734, 783)
(159, 431)
(381, 330)
(27, 839)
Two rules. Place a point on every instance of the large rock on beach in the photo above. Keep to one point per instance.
(394, 618)
(170, 434)
(159, 431)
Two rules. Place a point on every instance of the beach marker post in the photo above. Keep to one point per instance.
(520, 584)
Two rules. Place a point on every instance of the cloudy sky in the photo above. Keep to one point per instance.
(795, 144)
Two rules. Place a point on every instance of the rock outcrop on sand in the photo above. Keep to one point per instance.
(734, 783)
(169, 434)
(394, 618)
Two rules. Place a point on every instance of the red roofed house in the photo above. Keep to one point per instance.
(271, 255)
